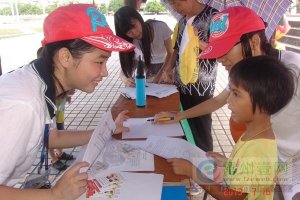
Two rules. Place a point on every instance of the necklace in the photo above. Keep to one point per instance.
(248, 139)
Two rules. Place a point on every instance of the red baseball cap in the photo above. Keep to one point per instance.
(85, 22)
(227, 27)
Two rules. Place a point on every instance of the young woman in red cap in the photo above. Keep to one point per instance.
(77, 44)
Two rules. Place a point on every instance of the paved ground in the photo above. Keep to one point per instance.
(85, 111)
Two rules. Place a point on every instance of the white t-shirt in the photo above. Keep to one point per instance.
(158, 50)
(286, 122)
(24, 114)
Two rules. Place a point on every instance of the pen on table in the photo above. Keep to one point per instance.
(161, 119)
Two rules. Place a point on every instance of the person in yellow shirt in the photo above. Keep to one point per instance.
(259, 87)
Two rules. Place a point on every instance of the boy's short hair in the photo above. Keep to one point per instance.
(268, 81)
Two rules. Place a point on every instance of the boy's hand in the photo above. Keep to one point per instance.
(72, 184)
(218, 158)
(119, 122)
(182, 167)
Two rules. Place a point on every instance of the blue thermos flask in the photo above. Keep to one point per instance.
(140, 84)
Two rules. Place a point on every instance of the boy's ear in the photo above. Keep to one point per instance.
(255, 45)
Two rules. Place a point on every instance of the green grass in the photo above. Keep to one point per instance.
(6, 32)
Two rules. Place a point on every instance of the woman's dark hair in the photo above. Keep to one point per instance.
(132, 3)
(123, 24)
(265, 46)
(77, 48)
(269, 82)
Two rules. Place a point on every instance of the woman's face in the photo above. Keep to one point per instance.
(87, 72)
(137, 31)
(240, 104)
(232, 57)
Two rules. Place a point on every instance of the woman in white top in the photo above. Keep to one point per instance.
(74, 57)
(152, 39)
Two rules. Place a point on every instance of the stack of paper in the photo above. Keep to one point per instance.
(152, 89)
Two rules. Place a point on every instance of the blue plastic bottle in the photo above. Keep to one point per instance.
(140, 84)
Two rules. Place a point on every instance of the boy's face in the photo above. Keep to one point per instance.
(240, 104)
(183, 7)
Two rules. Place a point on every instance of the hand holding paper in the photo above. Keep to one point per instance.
(182, 166)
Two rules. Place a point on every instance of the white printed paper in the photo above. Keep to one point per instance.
(167, 148)
(126, 185)
(141, 128)
(99, 138)
(289, 177)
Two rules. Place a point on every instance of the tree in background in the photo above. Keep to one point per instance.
(114, 5)
(155, 7)
(103, 9)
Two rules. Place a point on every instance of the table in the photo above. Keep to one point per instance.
(153, 106)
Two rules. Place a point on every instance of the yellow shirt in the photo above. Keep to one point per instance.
(251, 168)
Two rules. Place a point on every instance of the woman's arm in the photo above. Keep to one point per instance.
(68, 138)
(205, 107)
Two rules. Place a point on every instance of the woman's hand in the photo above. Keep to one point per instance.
(164, 76)
(72, 184)
(166, 117)
(182, 167)
(129, 82)
(202, 45)
(119, 121)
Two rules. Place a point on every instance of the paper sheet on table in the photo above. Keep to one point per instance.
(133, 186)
(289, 177)
(120, 156)
(141, 128)
(152, 89)
(167, 148)
(99, 138)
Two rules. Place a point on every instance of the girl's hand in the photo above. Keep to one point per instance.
(119, 122)
(218, 158)
(129, 82)
(72, 184)
(166, 117)
(182, 167)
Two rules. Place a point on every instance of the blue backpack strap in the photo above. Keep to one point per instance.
(44, 152)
